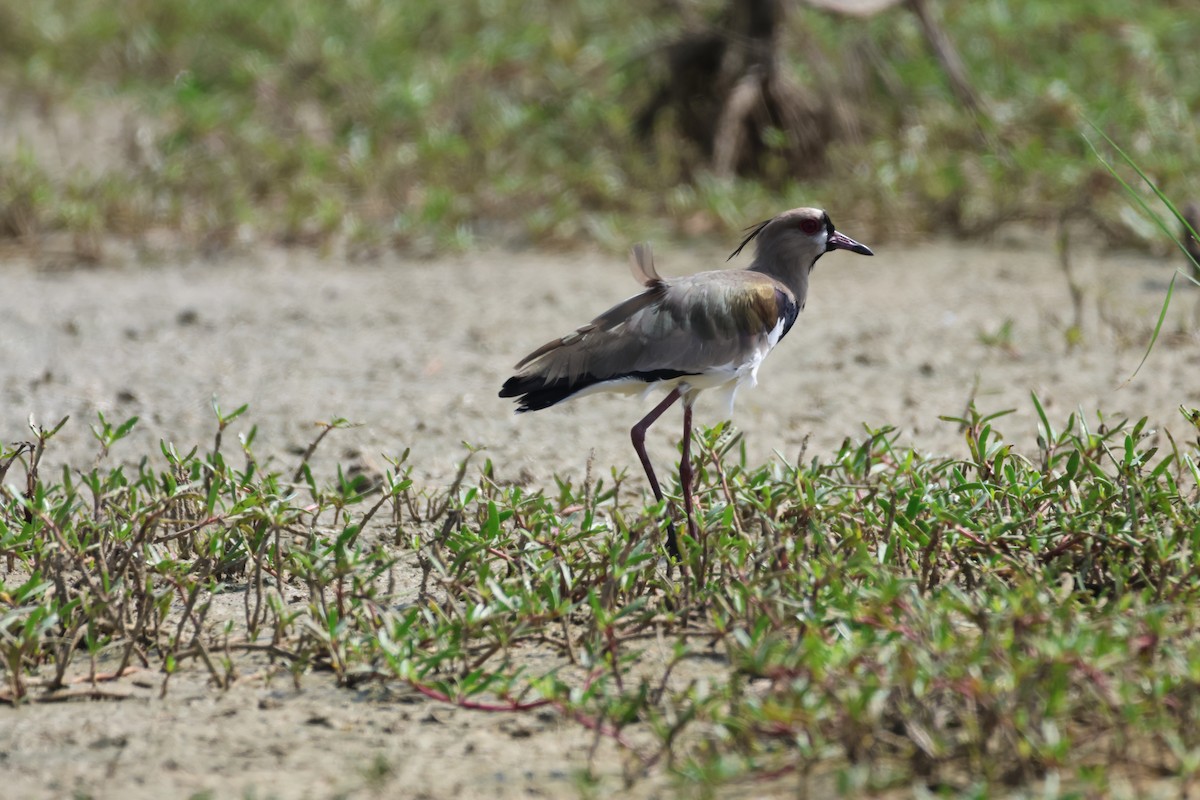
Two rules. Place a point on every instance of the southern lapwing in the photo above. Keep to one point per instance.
(711, 330)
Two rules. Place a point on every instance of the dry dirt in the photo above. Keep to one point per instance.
(415, 351)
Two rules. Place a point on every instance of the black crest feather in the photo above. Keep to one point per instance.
(755, 230)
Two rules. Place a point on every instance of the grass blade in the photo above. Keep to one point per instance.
(1158, 220)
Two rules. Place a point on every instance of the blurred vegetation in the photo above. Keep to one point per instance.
(369, 125)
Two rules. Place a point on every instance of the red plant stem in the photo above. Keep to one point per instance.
(589, 722)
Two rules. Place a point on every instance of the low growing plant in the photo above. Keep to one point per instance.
(863, 622)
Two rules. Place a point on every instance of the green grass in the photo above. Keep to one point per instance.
(373, 125)
(1021, 615)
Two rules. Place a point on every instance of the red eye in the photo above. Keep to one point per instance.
(810, 226)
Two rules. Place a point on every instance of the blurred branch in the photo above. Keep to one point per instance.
(947, 56)
(854, 8)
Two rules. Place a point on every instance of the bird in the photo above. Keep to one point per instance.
(688, 334)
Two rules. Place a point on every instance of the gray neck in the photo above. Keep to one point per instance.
(789, 260)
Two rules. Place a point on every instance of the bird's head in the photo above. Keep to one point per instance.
(802, 234)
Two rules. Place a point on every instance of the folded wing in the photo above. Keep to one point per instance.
(704, 327)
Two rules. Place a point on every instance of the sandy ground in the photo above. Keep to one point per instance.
(415, 351)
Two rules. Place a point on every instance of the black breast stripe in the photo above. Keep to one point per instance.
(788, 310)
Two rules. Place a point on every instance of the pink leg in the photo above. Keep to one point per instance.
(638, 434)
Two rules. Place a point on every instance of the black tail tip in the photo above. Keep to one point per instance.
(518, 388)
(533, 393)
